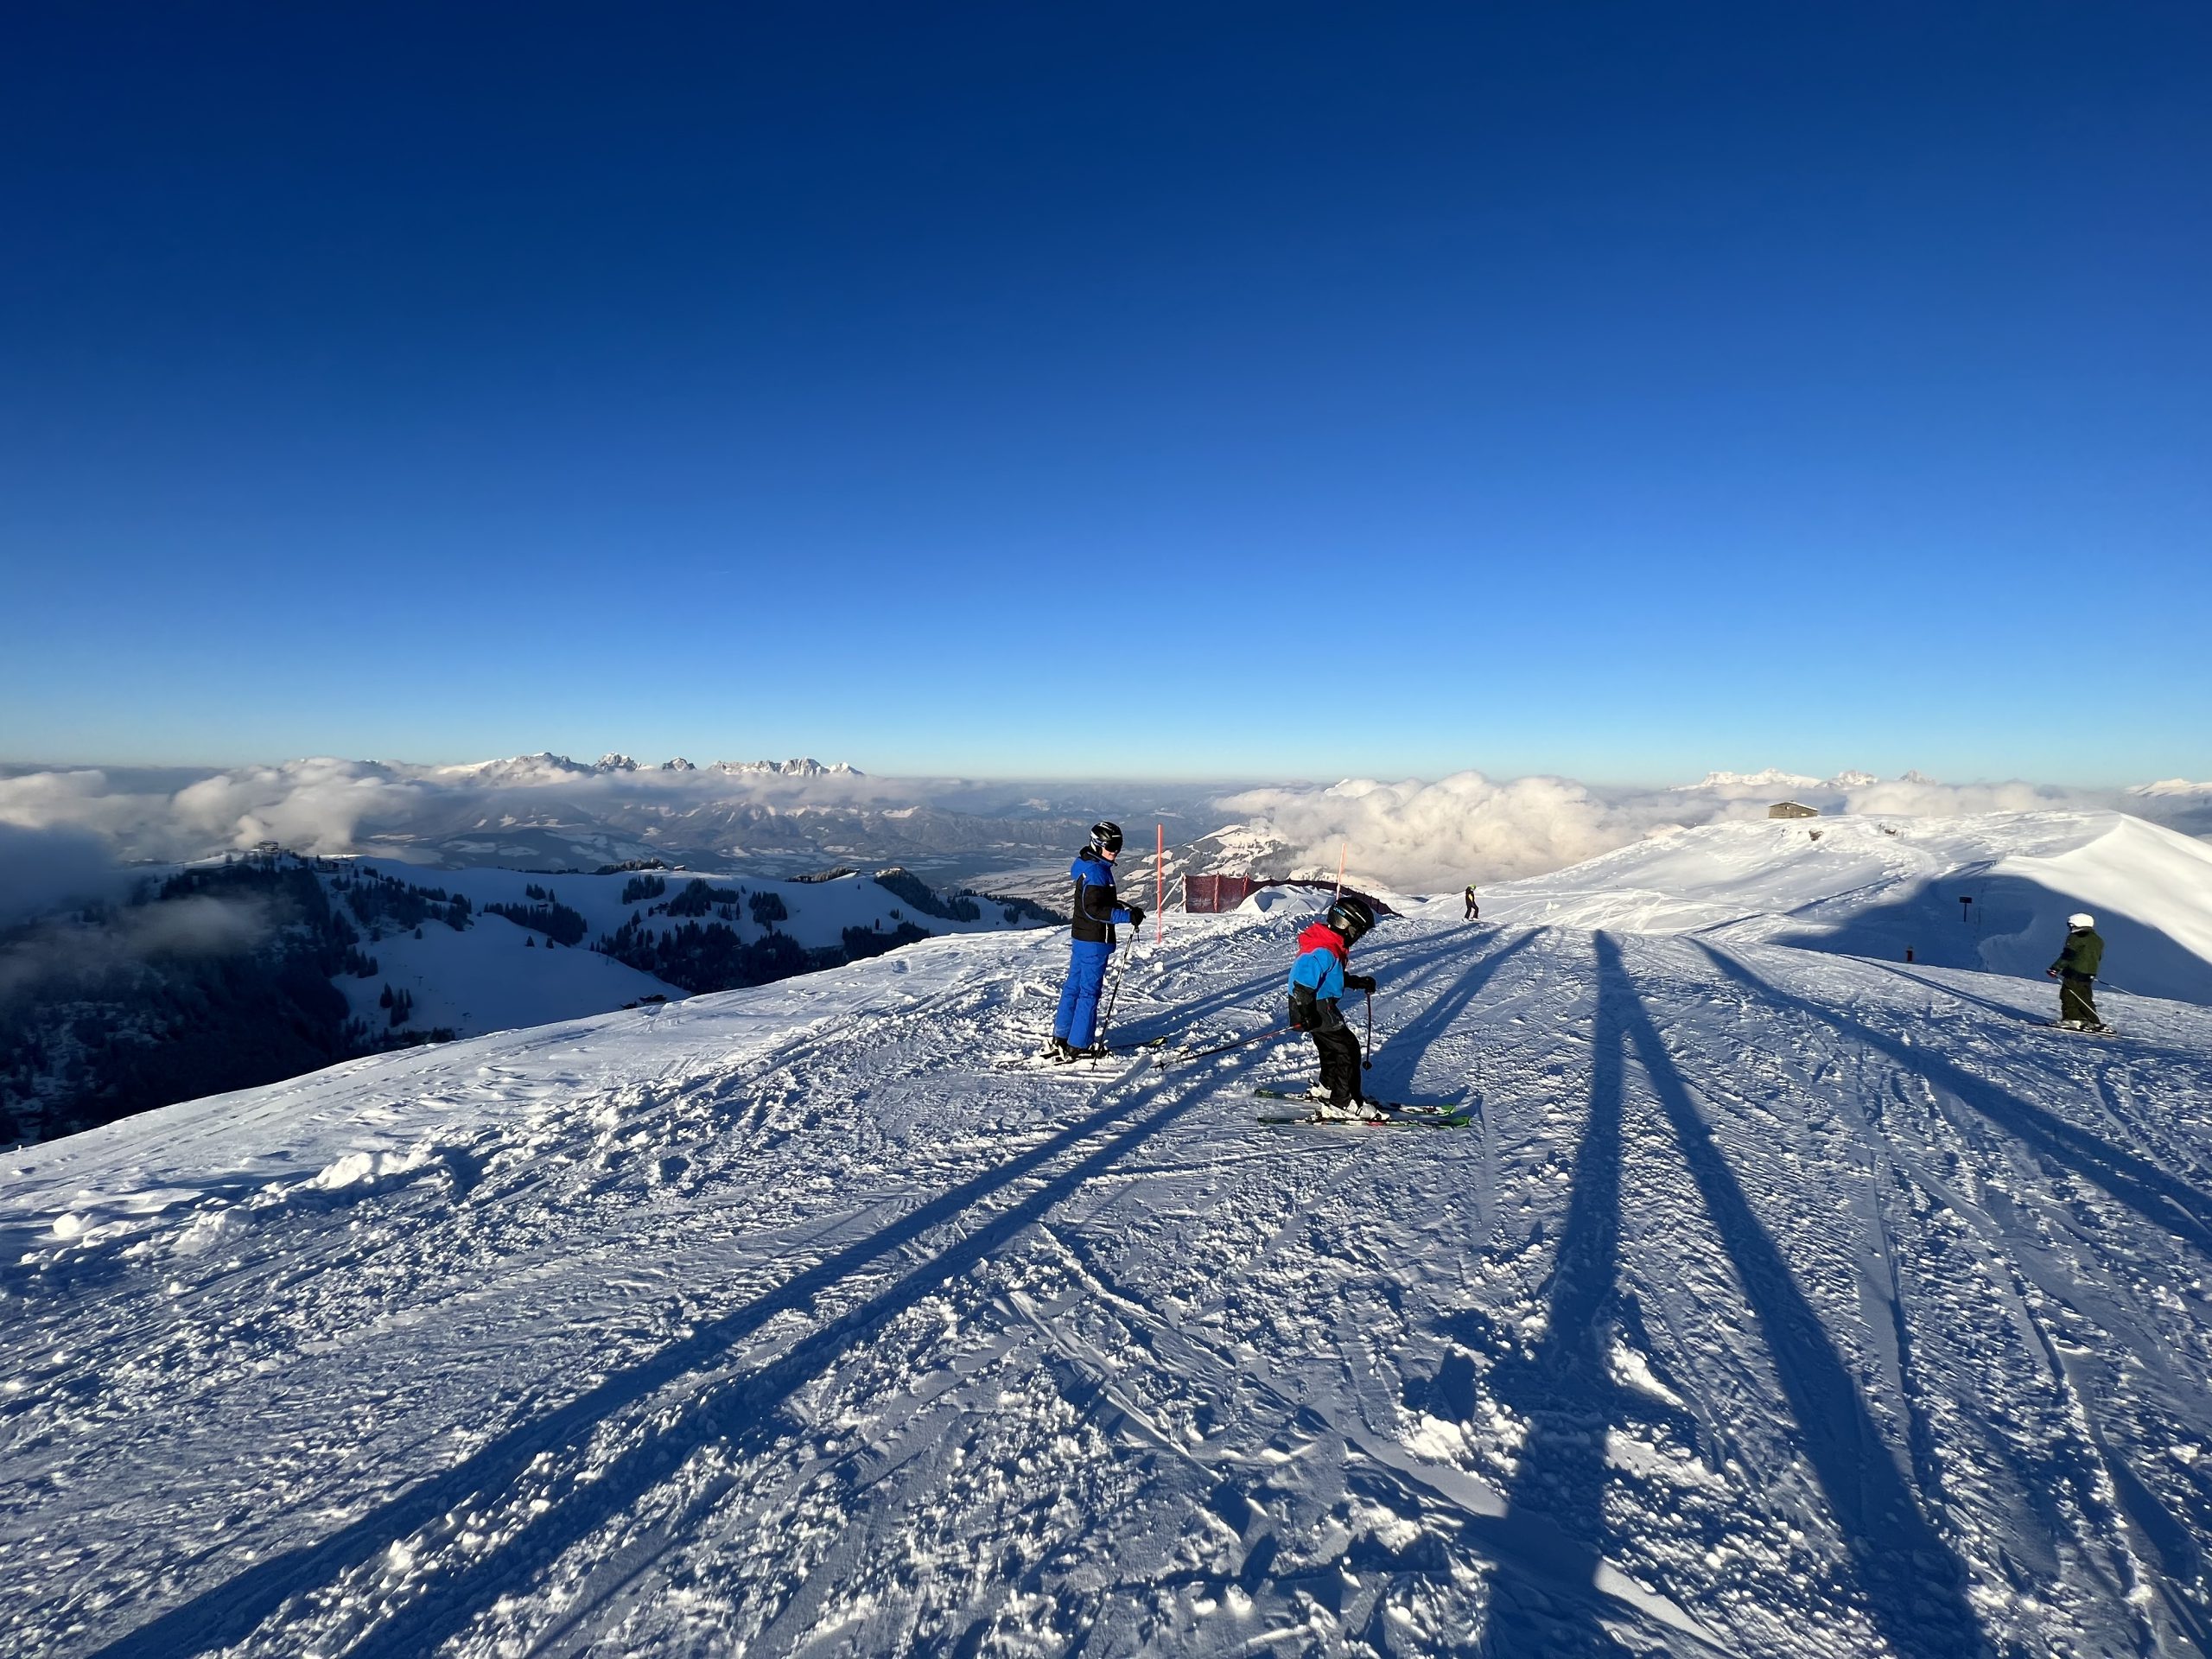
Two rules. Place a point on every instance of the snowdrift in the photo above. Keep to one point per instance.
(1776, 1301)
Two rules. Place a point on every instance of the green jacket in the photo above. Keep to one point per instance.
(2083, 955)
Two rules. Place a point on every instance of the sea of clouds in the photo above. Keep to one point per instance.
(64, 832)
(1419, 835)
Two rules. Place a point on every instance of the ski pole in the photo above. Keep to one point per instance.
(1367, 1055)
(1200, 1054)
(1113, 995)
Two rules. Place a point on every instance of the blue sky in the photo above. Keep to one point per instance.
(1227, 391)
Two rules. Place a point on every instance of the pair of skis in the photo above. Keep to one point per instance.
(1081, 1065)
(1377, 1115)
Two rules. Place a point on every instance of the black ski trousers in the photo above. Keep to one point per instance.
(2075, 1002)
(1339, 1048)
(1339, 1063)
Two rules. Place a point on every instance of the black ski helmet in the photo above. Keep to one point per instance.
(1106, 835)
(1351, 917)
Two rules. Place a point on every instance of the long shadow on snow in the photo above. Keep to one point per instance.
(226, 1613)
(1170, 1023)
(2161, 1199)
(2132, 1181)
(2016, 927)
(1914, 1584)
(2130, 1048)
(1566, 1393)
(1414, 1038)
(1177, 1021)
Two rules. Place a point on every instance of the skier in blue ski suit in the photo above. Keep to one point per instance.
(1075, 1027)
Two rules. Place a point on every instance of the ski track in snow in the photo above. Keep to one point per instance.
(1775, 1303)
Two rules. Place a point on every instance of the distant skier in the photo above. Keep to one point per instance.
(1317, 980)
(2076, 970)
(1090, 942)
(1474, 911)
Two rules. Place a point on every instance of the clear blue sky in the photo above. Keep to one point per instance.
(1232, 390)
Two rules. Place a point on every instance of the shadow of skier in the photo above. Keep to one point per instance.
(1559, 1485)
(738, 1411)
(2157, 1196)
(1914, 1584)
(1410, 1044)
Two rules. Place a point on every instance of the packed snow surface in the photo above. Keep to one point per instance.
(1776, 1301)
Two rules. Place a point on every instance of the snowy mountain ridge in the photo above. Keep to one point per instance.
(805, 767)
(1775, 1302)
(1876, 887)
(1767, 778)
(546, 767)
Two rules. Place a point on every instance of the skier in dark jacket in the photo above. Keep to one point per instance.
(1474, 911)
(2076, 970)
(1317, 980)
(1075, 1027)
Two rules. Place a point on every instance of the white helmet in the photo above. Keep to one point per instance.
(2079, 920)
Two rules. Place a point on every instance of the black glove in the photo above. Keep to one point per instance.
(1360, 982)
(1136, 915)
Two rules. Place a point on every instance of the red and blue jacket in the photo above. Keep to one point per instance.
(1320, 968)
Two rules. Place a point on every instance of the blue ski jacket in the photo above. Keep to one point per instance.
(1320, 972)
(1096, 912)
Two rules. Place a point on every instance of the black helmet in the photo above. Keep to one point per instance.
(1351, 917)
(1106, 835)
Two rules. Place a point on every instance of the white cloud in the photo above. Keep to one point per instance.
(311, 806)
(1417, 837)
(1414, 835)
(82, 799)
(315, 805)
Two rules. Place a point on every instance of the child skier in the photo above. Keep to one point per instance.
(1317, 980)
(1474, 911)
(2076, 970)
(1090, 942)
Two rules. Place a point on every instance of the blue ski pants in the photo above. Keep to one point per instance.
(1077, 1020)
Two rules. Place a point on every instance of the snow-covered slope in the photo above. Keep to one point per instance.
(1879, 887)
(496, 974)
(1778, 1302)
(493, 976)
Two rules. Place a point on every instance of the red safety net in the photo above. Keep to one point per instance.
(1207, 894)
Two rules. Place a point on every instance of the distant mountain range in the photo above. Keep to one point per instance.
(1773, 777)
(546, 767)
